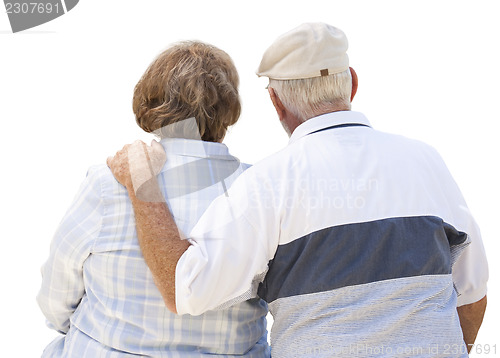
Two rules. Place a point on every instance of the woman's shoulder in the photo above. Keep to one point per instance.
(101, 177)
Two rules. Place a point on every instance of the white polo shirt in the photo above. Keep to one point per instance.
(360, 241)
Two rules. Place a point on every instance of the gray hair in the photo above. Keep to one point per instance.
(310, 97)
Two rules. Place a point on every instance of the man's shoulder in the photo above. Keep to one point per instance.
(402, 144)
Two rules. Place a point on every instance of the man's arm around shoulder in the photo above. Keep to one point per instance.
(136, 167)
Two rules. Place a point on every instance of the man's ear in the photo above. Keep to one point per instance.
(354, 82)
(280, 109)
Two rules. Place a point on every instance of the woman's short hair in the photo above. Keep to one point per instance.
(189, 79)
(307, 98)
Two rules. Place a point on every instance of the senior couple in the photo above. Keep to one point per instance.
(184, 257)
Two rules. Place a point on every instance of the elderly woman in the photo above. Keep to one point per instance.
(97, 290)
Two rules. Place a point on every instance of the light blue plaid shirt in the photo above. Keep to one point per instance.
(97, 290)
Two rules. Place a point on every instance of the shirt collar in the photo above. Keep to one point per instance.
(195, 148)
(327, 120)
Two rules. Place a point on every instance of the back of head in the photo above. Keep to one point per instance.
(308, 68)
(188, 80)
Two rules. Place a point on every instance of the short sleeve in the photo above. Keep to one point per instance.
(470, 271)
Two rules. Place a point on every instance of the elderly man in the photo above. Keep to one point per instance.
(360, 241)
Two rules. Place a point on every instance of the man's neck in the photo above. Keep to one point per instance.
(320, 113)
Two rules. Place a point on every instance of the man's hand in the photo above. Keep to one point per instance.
(137, 164)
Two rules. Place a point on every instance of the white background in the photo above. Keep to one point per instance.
(427, 69)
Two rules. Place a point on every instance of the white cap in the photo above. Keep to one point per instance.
(310, 50)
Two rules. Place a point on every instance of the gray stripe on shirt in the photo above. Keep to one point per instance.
(405, 317)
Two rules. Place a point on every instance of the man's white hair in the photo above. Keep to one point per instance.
(310, 97)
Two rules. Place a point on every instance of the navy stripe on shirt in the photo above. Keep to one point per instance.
(361, 253)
